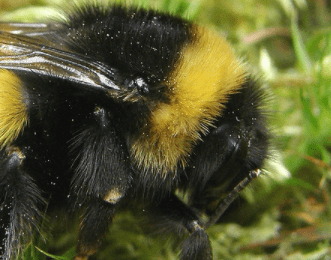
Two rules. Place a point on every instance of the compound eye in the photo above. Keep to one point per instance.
(139, 84)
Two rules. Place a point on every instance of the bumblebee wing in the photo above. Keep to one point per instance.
(23, 53)
(30, 29)
(41, 31)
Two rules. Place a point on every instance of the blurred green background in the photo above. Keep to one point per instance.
(286, 213)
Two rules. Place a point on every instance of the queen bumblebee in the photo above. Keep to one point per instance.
(120, 104)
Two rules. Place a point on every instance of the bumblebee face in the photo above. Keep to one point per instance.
(197, 90)
(115, 102)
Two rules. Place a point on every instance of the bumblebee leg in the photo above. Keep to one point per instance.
(101, 179)
(20, 203)
(231, 197)
(197, 246)
(179, 215)
(94, 226)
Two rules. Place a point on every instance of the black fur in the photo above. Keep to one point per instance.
(137, 43)
(77, 141)
(238, 144)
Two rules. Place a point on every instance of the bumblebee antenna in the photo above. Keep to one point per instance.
(231, 197)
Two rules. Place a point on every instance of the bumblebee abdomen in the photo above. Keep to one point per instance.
(13, 107)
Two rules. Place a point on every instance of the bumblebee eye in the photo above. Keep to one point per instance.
(139, 84)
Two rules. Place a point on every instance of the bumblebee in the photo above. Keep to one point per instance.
(116, 107)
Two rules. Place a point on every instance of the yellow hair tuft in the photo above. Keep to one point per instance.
(13, 111)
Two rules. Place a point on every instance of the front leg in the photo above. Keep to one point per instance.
(102, 178)
(178, 216)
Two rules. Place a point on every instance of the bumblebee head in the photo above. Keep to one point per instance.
(197, 87)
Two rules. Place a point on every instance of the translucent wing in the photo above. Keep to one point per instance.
(28, 48)
(30, 29)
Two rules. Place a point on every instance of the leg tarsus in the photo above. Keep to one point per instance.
(94, 225)
(231, 197)
(196, 246)
(182, 217)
